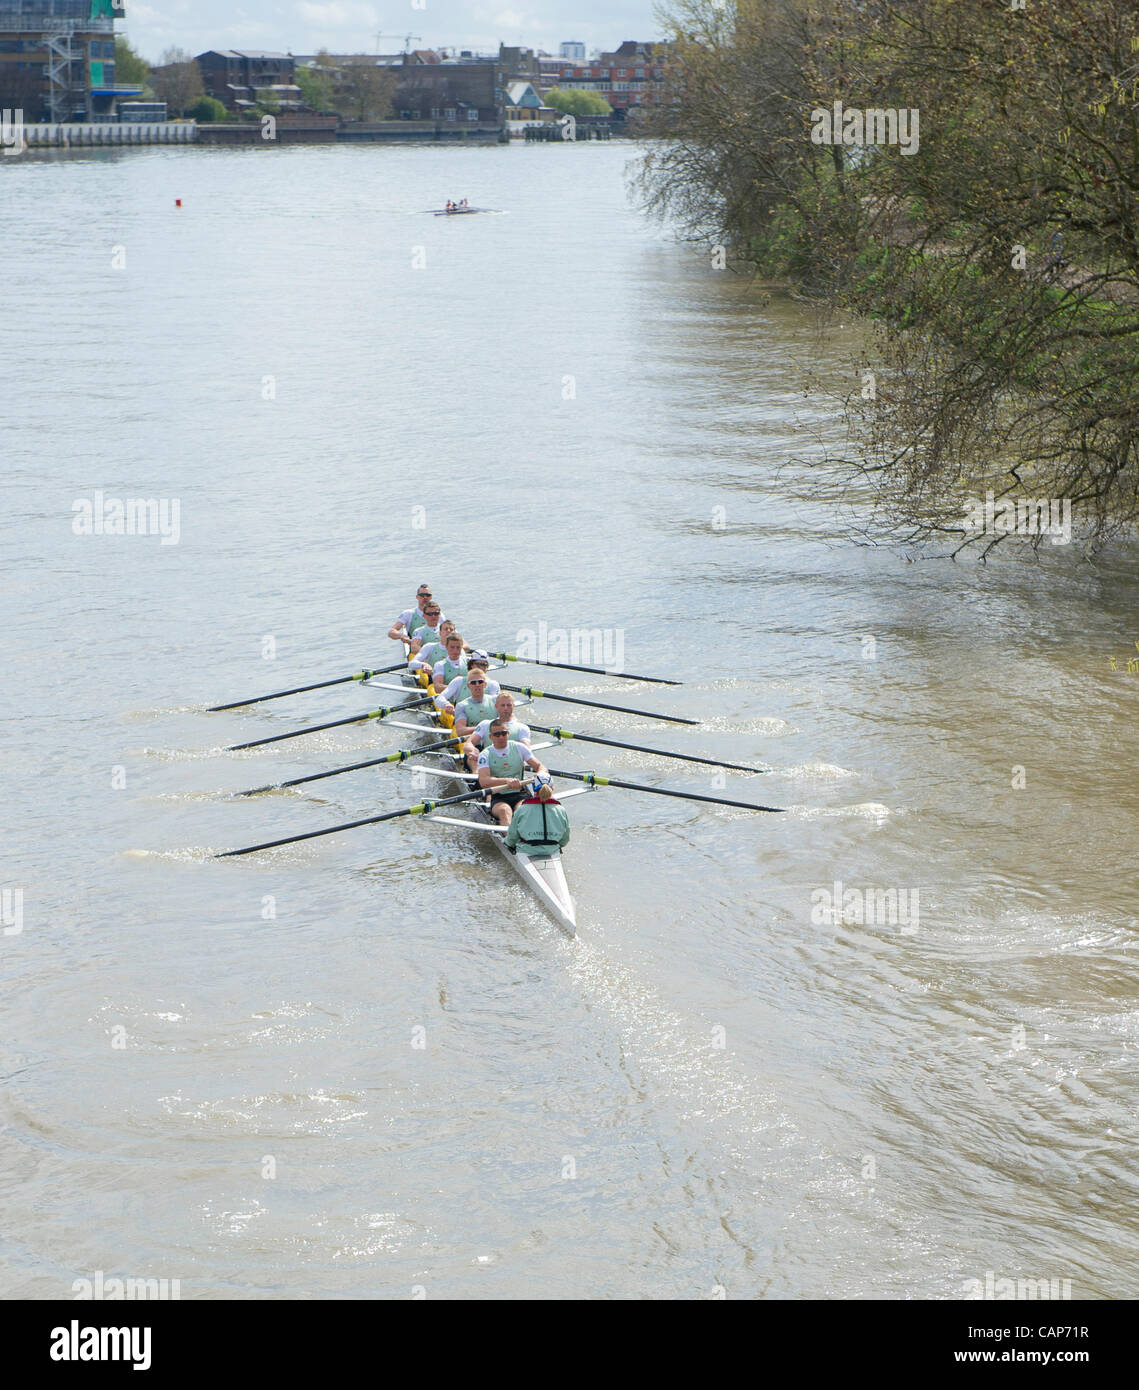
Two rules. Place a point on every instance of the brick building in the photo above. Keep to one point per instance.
(236, 76)
(445, 89)
(630, 79)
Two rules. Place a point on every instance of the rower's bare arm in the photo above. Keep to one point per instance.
(396, 633)
(537, 765)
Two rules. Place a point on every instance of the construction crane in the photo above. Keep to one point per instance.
(407, 38)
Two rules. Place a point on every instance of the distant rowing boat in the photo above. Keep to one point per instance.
(457, 212)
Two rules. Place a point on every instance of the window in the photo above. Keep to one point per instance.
(640, 72)
(434, 113)
(622, 72)
(472, 114)
(448, 113)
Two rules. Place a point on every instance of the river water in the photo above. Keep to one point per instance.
(367, 1065)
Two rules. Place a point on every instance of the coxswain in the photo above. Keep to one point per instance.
(501, 769)
(539, 827)
(411, 618)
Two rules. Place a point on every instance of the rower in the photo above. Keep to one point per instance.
(451, 664)
(411, 618)
(539, 827)
(459, 689)
(428, 629)
(517, 732)
(500, 771)
(470, 712)
(430, 653)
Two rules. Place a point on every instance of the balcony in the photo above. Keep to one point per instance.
(44, 24)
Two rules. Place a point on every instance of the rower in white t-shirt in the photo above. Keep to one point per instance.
(411, 618)
(504, 713)
(459, 688)
(501, 769)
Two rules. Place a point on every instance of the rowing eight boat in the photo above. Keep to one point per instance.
(545, 878)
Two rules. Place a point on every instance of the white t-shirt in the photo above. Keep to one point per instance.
(482, 733)
(493, 690)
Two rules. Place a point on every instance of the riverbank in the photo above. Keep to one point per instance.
(271, 131)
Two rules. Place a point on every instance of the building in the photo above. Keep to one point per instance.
(574, 51)
(57, 59)
(630, 79)
(467, 91)
(241, 78)
(525, 107)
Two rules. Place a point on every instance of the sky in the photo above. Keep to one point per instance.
(350, 26)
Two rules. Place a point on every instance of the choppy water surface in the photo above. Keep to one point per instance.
(366, 1064)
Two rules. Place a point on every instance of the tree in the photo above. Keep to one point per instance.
(572, 102)
(207, 110)
(130, 67)
(366, 89)
(178, 81)
(315, 82)
(998, 259)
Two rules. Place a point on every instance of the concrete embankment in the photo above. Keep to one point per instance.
(77, 135)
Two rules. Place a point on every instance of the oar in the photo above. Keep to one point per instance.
(594, 670)
(422, 808)
(591, 779)
(640, 748)
(300, 689)
(401, 756)
(535, 694)
(332, 724)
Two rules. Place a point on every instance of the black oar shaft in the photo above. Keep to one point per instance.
(536, 694)
(332, 724)
(640, 748)
(419, 809)
(593, 670)
(593, 779)
(399, 757)
(301, 689)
